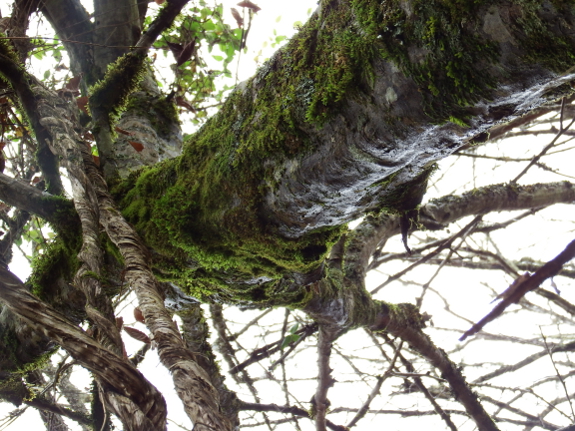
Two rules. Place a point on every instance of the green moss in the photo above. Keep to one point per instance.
(7, 50)
(59, 260)
(451, 72)
(542, 46)
(110, 95)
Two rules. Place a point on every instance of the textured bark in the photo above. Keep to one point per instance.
(371, 145)
(128, 393)
(28, 198)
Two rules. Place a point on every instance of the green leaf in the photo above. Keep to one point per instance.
(217, 57)
(292, 338)
(47, 74)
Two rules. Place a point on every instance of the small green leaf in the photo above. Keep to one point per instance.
(217, 57)
(292, 338)
(47, 74)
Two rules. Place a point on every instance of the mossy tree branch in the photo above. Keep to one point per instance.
(20, 81)
(54, 209)
(265, 186)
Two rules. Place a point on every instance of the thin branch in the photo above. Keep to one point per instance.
(548, 270)
(285, 409)
(320, 403)
(377, 387)
(553, 361)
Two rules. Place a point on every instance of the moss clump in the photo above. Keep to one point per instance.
(184, 213)
(451, 72)
(59, 261)
(541, 44)
(110, 95)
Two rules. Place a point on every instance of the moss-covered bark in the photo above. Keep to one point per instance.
(344, 119)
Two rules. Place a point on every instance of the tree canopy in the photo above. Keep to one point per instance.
(354, 119)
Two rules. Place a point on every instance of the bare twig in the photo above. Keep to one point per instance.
(555, 365)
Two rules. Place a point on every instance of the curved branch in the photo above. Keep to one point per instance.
(28, 198)
(438, 213)
(72, 24)
(128, 388)
(404, 321)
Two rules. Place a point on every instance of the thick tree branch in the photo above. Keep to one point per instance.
(126, 387)
(438, 213)
(53, 209)
(20, 82)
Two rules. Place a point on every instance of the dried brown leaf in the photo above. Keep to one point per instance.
(138, 315)
(237, 17)
(137, 334)
(250, 5)
(136, 145)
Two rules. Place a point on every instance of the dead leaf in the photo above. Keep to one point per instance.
(73, 84)
(180, 101)
(160, 1)
(138, 315)
(122, 131)
(136, 145)
(119, 322)
(237, 17)
(138, 335)
(96, 160)
(250, 5)
(82, 103)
